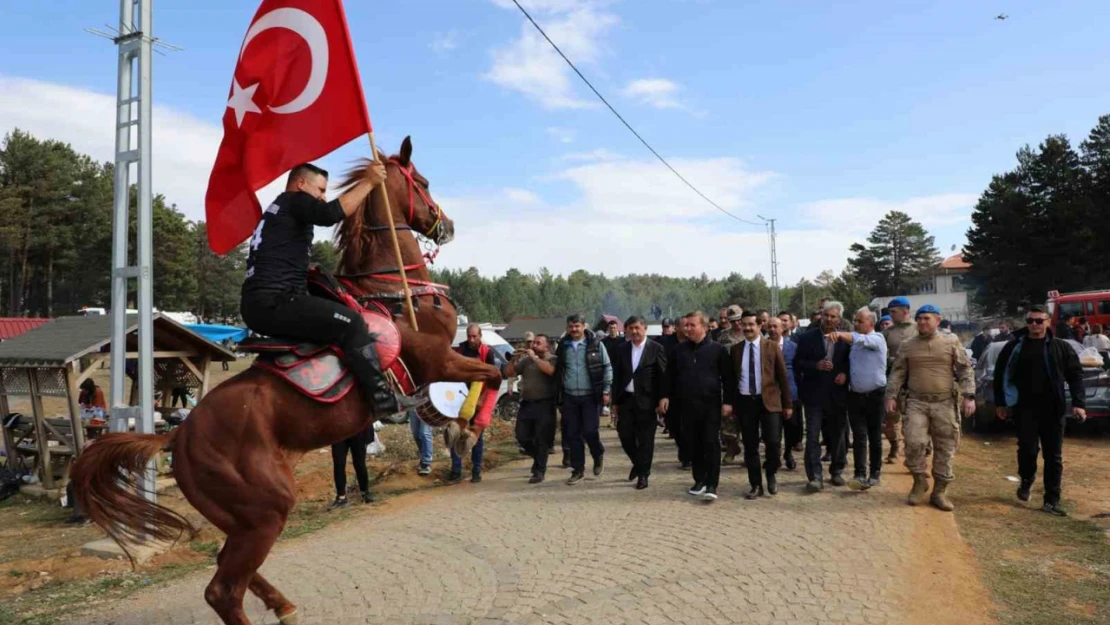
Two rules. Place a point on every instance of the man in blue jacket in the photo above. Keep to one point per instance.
(1029, 379)
(583, 375)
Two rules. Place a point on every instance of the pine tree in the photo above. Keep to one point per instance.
(898, 253)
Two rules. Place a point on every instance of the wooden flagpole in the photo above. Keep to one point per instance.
(396, 244)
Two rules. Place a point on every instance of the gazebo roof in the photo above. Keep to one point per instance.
(66, 339)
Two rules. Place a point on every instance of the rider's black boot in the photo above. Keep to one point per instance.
(365, 365)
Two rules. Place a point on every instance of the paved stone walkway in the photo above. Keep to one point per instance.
(601, 552)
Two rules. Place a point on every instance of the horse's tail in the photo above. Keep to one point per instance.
(105, 485)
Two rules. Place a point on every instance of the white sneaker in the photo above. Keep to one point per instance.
(709, 495)
(696, 489)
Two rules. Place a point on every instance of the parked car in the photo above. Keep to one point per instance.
(1096, 383)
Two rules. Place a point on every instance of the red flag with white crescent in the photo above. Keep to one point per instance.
(295, 96)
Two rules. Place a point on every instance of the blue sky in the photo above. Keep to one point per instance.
(822, 116)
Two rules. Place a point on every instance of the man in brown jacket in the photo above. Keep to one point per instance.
(762, 401)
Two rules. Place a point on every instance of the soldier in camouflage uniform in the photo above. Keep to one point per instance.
(935, 371)
(901, 329)
(730, 425)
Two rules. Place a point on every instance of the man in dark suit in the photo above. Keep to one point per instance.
(639, 369)
(821, 369)
(700, 387)
(762, 400)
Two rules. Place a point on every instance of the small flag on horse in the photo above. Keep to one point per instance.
(295, 96)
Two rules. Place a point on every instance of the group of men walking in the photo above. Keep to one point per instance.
(769, 381)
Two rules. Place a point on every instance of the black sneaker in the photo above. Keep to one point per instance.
(576, 477)
(599, 466)
(368, 497)
(1023, 490)
(424, 469)
(476, 478)
(340, 502)
(772, 485)
(710, 494)
(1054, 509)
(536, 478)
(837, 480)
(697, 489)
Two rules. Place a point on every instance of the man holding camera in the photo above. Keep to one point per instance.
(535, 422)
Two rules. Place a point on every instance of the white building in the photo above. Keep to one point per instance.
(944, 288)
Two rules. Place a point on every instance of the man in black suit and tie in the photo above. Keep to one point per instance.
(821, 369)
(639, 369)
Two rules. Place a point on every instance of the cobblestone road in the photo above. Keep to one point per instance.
(601, 552)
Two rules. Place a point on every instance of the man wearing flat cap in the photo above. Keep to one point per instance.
(935, 373)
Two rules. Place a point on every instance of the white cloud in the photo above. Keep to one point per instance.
(529, 65)
(565, 240)
(445, 42)
(862, 213)
(599, 154)
(184, 146)
(635, 217)
(646, 190)
(562, 135)
(657, 92)
(522, 196)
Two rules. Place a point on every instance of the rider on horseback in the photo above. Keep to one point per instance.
(275, 300)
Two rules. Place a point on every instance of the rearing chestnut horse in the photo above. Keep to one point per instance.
(234, 456)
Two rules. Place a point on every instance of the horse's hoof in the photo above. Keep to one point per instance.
(289, 619)
(451, 434)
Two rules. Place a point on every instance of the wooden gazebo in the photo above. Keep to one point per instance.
(53, 360)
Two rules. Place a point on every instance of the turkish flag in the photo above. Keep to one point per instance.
(295, 96)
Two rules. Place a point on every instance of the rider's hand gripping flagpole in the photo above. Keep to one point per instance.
(396, 243)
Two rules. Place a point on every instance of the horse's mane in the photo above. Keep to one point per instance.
(351, 238)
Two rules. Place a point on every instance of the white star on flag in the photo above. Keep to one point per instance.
(242, 101)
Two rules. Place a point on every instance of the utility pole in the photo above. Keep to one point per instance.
(774, 265)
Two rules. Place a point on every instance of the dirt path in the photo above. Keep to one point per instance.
(602, 552)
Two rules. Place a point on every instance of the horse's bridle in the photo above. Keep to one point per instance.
(435, 232)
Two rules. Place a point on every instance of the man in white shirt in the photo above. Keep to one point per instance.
(639, 373)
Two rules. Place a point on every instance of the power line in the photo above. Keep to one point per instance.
(629, 126)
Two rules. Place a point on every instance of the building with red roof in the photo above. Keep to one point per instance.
(11, 327)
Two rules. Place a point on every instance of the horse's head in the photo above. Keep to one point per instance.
(411, 199)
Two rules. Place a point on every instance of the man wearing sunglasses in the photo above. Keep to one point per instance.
(934, 370)
(1029, 381)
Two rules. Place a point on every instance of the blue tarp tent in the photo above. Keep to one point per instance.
(217, 333)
